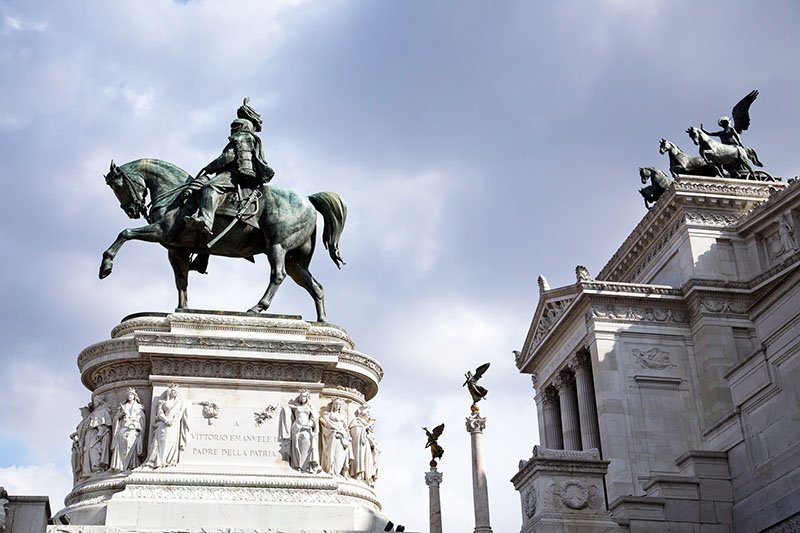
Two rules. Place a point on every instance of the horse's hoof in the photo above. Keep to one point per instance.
(256, 309)
(105, 271)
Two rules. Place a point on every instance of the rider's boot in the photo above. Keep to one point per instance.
(203, 219)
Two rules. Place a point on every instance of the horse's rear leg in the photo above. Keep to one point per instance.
(180, 266)
(297, 268)
(277, 262)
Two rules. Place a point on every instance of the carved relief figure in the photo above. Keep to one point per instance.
(365, 448)
(3, 508)
(127, 446)
(97, 440)
(78, 438)
(336, 448)
(786, 232)
(297, 427)
(170, 430)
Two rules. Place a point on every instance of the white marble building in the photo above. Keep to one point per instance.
(680, 362)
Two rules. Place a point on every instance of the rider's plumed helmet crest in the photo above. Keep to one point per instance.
(248, 113)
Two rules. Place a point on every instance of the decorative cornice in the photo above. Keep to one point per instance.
(773, 199)
(706, 219)
(119, 371)
(724, 186)
(146, 340)
(729, 201)
(103, 348)
(363, 360)
(636, 288)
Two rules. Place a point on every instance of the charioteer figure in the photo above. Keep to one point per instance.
(241, 166)
(733, 127)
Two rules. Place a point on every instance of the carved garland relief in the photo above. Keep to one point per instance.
(654, 358)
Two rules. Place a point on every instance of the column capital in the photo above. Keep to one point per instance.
(433, 477)
(564, 380)
(475, 423)
(579, 362)
(549, 395)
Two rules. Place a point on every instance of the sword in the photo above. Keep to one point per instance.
(254, 196)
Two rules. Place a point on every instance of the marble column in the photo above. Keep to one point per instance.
(433, 479)
(480, 492)
(587, 409)
(553, 437)
(570, 425)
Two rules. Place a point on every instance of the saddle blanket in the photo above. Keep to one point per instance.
(230, 206)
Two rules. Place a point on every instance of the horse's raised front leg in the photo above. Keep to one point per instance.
(277, 263)
(180, 266)
(149, 233)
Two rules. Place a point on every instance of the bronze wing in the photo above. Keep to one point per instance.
(437, 431)
(741, 112)
(480, 371)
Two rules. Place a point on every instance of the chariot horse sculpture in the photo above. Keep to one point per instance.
(286, 232)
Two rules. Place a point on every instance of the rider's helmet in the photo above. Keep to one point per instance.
(724, 121)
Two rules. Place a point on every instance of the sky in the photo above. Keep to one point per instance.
(477, 145)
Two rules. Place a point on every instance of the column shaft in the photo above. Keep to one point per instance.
(553, 438)
(480, 491)
(569, 413)
(587, 409)
(433, 479)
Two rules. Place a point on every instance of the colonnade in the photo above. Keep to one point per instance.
(569, 409)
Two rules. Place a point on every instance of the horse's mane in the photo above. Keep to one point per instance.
(155, 166)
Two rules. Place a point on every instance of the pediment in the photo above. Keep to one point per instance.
(552, 307)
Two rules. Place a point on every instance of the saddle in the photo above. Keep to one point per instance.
(231, 203)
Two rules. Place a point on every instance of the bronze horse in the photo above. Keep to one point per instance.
(286, 233)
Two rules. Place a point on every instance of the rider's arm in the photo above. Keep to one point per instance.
(227, 157)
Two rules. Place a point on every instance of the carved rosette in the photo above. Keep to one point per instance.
(475, 423)
(574, 494)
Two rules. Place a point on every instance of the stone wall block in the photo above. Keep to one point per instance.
(716, 490)
(724, 512)
(682, 510)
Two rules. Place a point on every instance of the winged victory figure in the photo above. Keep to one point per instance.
(477, 392)
(737, 123)
(433, 443)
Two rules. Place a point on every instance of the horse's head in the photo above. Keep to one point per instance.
(645, 173)
(665, 146)
(130, 190)
(695, 135)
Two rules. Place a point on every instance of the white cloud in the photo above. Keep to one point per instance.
(17, 24)
(39, 399)
(46, 479)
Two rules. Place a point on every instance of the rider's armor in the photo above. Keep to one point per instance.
(241, 164)
(244, 147)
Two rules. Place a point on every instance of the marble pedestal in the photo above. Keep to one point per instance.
(562, 491)
(237, 381)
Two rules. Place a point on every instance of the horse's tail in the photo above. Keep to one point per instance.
(334, 215)
(753, 157)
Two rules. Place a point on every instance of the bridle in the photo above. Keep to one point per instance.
(137, 195)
